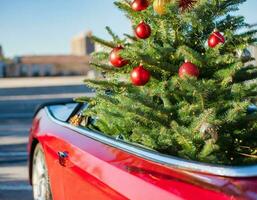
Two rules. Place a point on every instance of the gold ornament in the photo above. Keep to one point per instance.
(159, 6)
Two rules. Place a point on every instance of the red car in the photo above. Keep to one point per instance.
(70, 162)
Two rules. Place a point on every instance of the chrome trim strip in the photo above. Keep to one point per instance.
(170, 161)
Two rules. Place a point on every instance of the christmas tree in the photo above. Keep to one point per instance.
(181, 85)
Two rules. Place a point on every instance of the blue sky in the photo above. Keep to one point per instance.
(47, 26)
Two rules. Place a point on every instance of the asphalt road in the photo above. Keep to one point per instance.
(16, 111)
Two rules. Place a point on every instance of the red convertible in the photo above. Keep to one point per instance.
(70, 162)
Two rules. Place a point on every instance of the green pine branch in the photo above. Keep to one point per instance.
(103, 42)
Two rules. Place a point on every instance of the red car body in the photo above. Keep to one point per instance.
(96, 169)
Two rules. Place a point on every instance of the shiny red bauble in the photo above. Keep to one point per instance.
(215, 38)
(115, 59)
(188, 69)
(143, 30)
(139, 5)
(140, 76)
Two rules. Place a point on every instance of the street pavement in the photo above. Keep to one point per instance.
(17, 106)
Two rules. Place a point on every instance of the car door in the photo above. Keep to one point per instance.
(82, 175)
(82, 172)
(95, 170)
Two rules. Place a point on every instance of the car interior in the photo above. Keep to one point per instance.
(72, 113)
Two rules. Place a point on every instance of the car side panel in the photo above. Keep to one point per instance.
(118, 175)
(84, 177)
(97, 171)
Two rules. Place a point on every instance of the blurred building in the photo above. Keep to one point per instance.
(77, 63)
(48, 65)
(82, 44)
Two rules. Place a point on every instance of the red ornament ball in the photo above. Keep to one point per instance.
(215, 38)
(143, 30)
(188, 69)
(115, 59)
(140, 76)
(139, 5)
